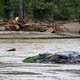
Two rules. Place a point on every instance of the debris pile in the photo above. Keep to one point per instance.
(60, 28)
(39, 26)
(12, 25)
(59, 57)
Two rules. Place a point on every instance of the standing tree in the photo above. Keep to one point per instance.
(21, 16)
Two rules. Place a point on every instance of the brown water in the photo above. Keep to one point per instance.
(12, 67)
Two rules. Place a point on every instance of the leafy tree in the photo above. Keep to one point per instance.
(5, 8)
(43, 9)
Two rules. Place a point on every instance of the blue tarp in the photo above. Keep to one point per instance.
(72, 55)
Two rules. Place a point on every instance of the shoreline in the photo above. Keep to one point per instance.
(37, 35)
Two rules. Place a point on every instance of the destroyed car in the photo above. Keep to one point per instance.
(59, 57)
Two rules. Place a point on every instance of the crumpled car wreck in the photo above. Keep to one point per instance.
(59, 57)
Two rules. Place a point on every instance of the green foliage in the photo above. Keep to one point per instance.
(14, 7)
(1, 9)
(28, 60)
(5, 8)
(43, 9)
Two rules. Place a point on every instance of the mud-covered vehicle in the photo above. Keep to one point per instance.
(59, 57)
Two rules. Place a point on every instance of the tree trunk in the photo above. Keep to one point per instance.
(21, 16)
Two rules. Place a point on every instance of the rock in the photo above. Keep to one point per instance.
(13, 49)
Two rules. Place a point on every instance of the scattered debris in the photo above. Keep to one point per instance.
(35, 26)
(12, 25)
(59, 28)
(13, 49)
(59, 57)
(50, 30)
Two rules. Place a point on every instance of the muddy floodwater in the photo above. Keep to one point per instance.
(12, 67)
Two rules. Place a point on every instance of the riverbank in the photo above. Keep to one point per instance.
(36, 35)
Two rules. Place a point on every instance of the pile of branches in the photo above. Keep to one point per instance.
(39, 26)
